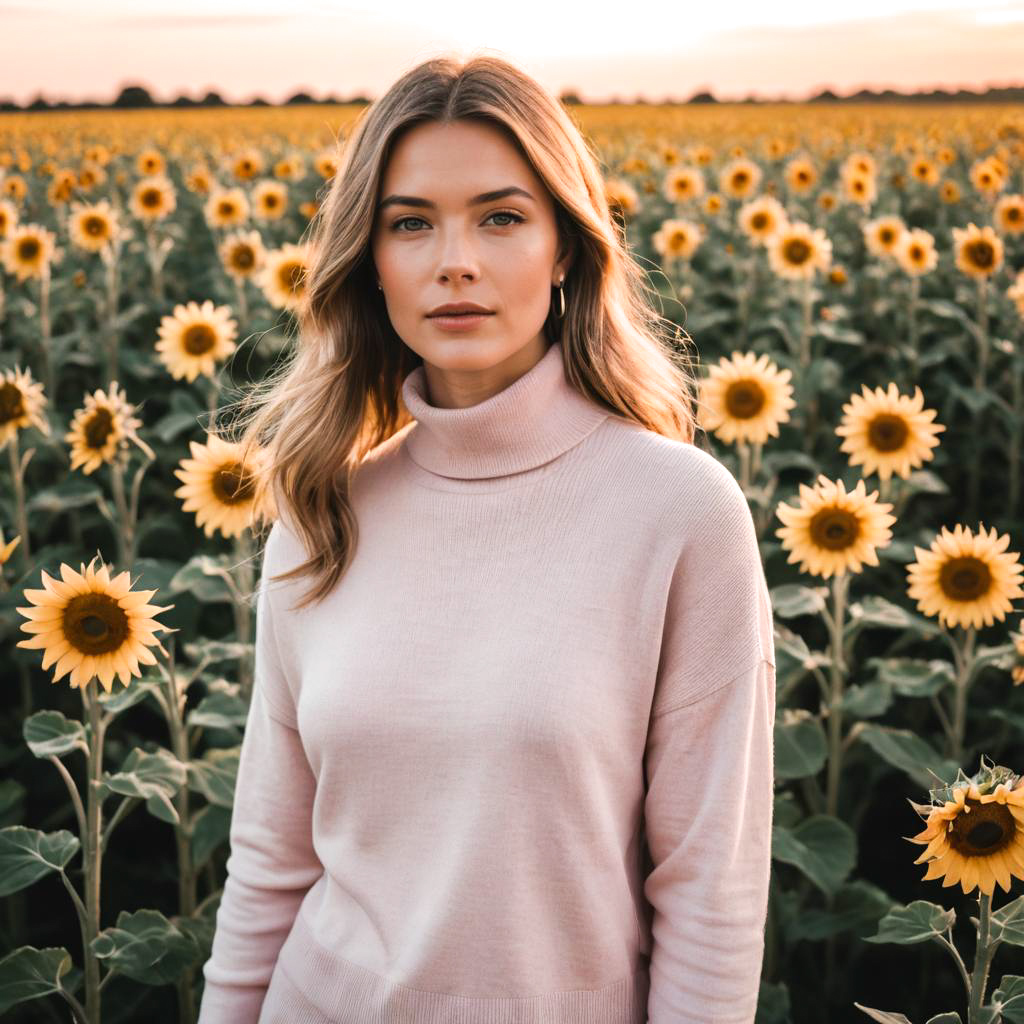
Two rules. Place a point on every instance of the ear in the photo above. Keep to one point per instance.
(566, 257)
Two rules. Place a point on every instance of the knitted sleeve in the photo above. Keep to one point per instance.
(272, 862)
(709, 767)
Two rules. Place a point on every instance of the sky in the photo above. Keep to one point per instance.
(66, 49)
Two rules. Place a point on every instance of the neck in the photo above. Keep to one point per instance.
(538, 417)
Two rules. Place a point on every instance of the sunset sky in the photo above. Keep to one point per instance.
(656, 49)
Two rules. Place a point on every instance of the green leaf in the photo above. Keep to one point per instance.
(913, 677)
(146, 947)
(878, 612)
(12, 802)
(219, 711)
(952, 1017)
(214, 775)
(134, 693)
(1008, 999)
(921, 921)
(26, 855)
(801, 748)
(51, 734)
(793, 599)
(202, 577)
(211, 826)
(822, 847)
(155, 778)
(906, 750)
(1007, 923)
(884, 1016)
(856, 905)
(1002, 657)
(30, 973)
(74, 491)
(866, 701)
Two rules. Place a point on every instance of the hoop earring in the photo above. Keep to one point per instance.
(561, 299)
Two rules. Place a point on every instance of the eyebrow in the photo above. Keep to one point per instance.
(484, 197)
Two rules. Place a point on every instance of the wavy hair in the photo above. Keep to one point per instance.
(336, 395)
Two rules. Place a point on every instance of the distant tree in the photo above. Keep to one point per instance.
(133, 97)
(704, 96)
(183, 101)
(212, 99)
(6, 103)
(571, 98)
(39, 103)
(299, 97)
(258, 101)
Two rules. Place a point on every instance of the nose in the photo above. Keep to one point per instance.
(458, 261)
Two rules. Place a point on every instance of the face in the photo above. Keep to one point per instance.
(435, 241)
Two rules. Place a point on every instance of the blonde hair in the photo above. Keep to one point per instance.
(337, 395)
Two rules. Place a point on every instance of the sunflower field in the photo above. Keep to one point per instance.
(852, 281)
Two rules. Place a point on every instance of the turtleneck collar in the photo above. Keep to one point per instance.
(532, 421)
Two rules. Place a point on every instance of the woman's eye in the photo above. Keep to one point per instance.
(499, 213)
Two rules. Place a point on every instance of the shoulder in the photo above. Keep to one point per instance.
(689, 484)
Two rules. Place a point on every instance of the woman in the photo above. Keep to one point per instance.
(509, 757)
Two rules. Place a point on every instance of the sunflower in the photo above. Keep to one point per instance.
(966, 580)
(14, 187)
(97, 153)
(915, 252)
(242, 254)
(92, 227)
(153, 199)
(199, 180)
(283, 278)
(837, 276)
(669, 153)
(827, 201)
(100, 431)
(745, 398)
(8, 217)
(976, 835)
(247, 165)
(226, 207)
(194, 337)
(946, 155)
(949, 192)
(92, 626)
(796, 250)
(682, 184)
(760, 218)
(677, 239)
(713, 204)
(7, 547)
(924, 170)
(740, 178)
(149, 162)
(979, 251)
(1009, 214)
(859, 163)
(1016, 292)
(621, 196)
(326, 165)
(888, 432)
(60, 190)
(288, 168)
(28, 250)
(987, 177)
(800, 174)
(833, 530)
(269, 200)
(882, 235)
(21, 404)
(860, 188)
(219, 486)
(90, 176)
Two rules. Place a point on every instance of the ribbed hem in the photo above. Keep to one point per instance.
(317, 979)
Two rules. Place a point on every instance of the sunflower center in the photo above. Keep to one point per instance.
(270, 200)
(886, 235)
(28, 248)
(12, 405)
(95, 623)
(917, 254)
(98, 428)
(150, 198)
(95, 226)
(292, 277)
(679, 239)
(797, 251)
(1014, 214)
(803, 177)
(834, 529)
(199, 338)
(966, 578)
(987, 829)
(226, 209)
(739, 179)
(887, 432)
(759, 221)
(243, 257)
(744, 399)
(981, 253)
(233, 484)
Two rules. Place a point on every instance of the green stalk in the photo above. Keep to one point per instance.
(982, 958)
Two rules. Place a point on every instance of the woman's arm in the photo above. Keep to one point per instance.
(272, 863)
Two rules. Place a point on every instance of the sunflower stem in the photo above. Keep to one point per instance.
(912, 355)
(955, 953)
(49, 371)
(92, 852)
(19, 501)
(983, 341)
(125, 527)
(1017, 433)
(982, 958)
(840, 583)
(963, 661)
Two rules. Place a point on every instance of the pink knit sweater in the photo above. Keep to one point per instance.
(517, 768)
